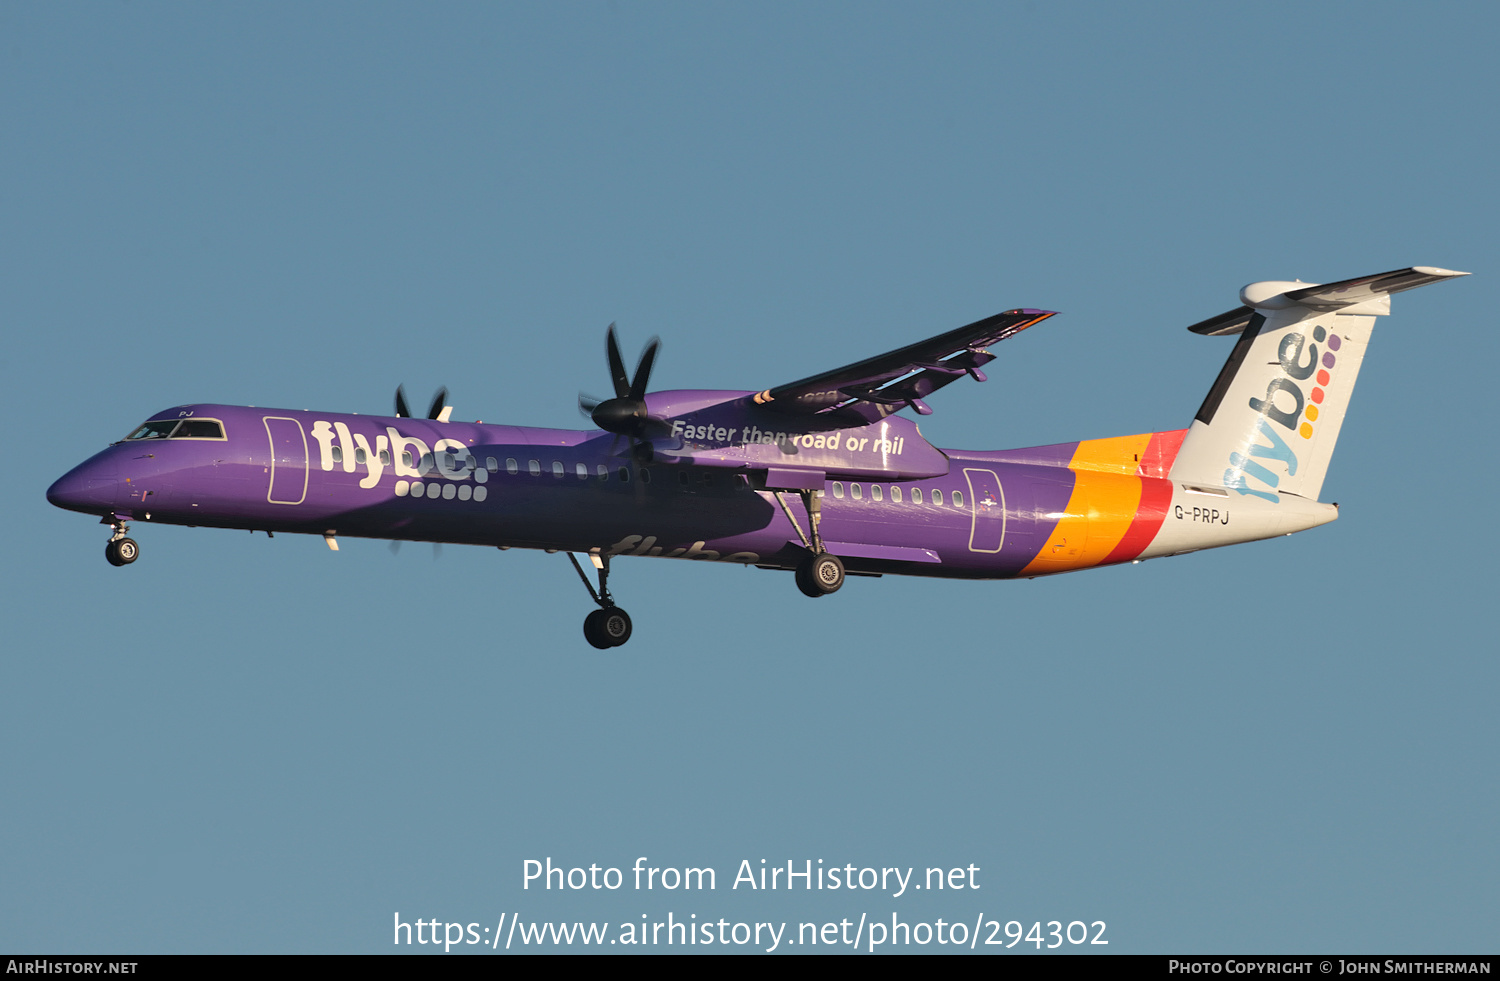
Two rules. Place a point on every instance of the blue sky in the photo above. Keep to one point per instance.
(242, 744)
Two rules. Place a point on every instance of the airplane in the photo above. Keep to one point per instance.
(820, 477)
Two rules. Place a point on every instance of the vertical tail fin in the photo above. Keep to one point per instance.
(1269, 424)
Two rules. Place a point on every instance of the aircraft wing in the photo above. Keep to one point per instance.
(888, 382)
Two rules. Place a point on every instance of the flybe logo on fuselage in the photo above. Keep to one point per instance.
(406, 456)
(1285, 405)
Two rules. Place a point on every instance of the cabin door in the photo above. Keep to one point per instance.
(288, 460)
(987, 499)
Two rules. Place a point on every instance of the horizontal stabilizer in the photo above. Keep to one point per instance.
(1371, 294)
(1331, 296)
(1225, 323)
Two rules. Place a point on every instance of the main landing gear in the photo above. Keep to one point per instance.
(821, 572)
(609, 626)
(120, 550)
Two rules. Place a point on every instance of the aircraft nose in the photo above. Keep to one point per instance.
(87, 488)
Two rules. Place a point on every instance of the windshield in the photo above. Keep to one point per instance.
(199, 429)
(156, 429)
(179, 429)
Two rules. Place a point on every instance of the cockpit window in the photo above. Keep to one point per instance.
(179, 429)
(156, 429)
(199, 429)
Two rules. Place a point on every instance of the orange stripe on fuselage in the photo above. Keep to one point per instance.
(1117, 505)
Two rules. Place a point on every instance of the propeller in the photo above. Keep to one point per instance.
(626, 414)
(440, 409)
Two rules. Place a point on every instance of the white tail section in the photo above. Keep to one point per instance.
(1270, 422)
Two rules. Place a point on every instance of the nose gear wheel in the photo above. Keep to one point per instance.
(121, 551)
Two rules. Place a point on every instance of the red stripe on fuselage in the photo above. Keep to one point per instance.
(1156, 495)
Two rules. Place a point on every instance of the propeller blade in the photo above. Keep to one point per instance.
(437, 551)
(616, 364)
(401, 409)
(626, 414)
(395, 546)
(439, 400)
(643, 369)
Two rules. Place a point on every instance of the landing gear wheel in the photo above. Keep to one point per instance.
(607, 628)
(121, 551)
(819, 575)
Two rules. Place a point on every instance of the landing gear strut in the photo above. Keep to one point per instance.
(120, 550)
(821, 572)
(609, 626)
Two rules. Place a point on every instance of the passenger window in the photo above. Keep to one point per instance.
(857, 492)
(359, 455)
(624, 475)
(557, 468)
(645, 476)
(491, 465)
(535, 467)
(426, 465)
(385, 457)
(896, 494)
(958, 499)
(937, 498)
(582, 469)
(682, 477)
(838, 489)
(406, 458)
(876, 493)
(603, 472)
(916, 495)
(338, 454)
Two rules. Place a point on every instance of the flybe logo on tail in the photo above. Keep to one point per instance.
(1286, 405)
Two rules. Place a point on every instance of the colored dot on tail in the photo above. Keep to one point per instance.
(1306, 431)
(1322, 377)
(1319, 333)
(1334, 342)
(1312, 413)
(1328, 360)
(1317, 395)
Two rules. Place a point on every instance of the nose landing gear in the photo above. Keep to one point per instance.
(120, 550)
(609, 626)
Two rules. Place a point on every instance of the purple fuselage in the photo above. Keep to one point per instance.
(892, 503)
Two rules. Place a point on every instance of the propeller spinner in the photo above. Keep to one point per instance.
(626, 414)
